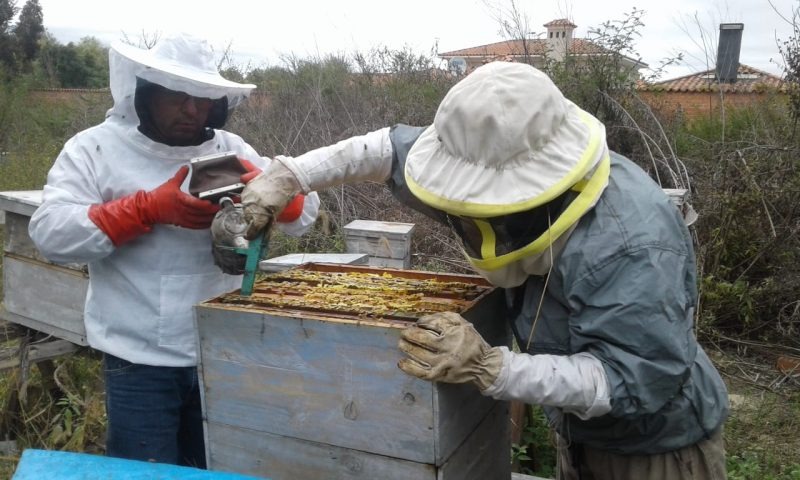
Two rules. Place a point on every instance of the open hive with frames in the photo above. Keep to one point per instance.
(300, 379)
(362, 292)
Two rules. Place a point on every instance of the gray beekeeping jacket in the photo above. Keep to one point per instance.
(623, 289)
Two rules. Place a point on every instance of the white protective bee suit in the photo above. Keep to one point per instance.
(141, 293)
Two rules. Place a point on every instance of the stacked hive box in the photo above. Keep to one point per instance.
(38, 294)
(388, 244)
(300, 380)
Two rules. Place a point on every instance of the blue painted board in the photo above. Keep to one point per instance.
(52, 465)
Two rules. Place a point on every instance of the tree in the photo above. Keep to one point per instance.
(515, 25)
(29, 30)
(94, 56)
(81, 65)
(8, 8)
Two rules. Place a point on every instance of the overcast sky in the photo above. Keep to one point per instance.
(261, 32)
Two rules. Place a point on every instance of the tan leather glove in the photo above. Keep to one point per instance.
(266, 196)
(444, 347)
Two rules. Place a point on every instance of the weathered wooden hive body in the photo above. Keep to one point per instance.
(37, 293)
(300, 380)
(388, 244)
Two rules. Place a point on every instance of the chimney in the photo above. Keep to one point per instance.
(730, 43)
(559, 38)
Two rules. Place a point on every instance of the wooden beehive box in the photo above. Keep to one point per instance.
(36, 293)
(388, 244)
(307, 387)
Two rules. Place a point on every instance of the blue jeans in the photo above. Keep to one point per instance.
(154, 413)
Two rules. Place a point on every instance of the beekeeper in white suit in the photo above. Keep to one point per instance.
(597, 264)
(116, 199)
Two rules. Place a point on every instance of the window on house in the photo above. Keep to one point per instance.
(551, 34)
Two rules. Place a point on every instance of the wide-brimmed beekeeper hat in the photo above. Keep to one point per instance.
(505, 141)
(184, 63)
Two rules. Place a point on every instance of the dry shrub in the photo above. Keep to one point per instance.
(311, 103)
(748, 193)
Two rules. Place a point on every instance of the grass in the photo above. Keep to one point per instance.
(761, 435)
(69, 417)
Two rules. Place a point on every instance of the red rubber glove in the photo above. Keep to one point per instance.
(128, 217)
(252, 171)
(292, 211)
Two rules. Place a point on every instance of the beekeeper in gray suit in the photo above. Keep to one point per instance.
(597, 264)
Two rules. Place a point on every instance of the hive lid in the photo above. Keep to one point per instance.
(284, 262)
(372, 227)
(23, 202)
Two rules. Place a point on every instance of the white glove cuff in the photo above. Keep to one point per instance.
(356, 159)
(577, 383)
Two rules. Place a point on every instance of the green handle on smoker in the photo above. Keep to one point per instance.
(253, 253)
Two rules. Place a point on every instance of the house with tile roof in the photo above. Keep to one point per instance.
(729, 83)
(701, 94)
(558, 43)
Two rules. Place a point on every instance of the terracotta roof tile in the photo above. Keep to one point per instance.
(561, 22)
(536, 46)
(748, 80)
(498, 58)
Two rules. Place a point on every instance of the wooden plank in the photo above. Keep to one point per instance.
(485, 452)
(317, 380)
(16, 238)
(78, 338)
(262, 454)
(18, 242)
(391, 230)
(399, 263)
(39, 352)
(460, 408)
(46, 294)
(376, 246)
(23, 202)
